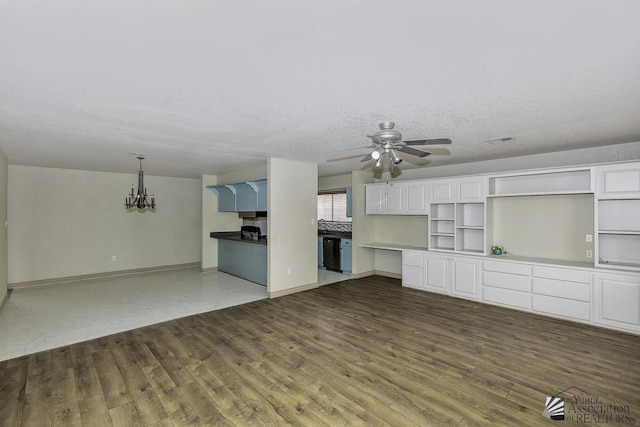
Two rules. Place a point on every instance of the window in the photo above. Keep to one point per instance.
(333, 207)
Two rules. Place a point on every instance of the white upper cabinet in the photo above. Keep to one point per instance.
(619, 181)
(417, 198)
(376, 198)
(397, 198)
(442, 191)
(472, 189)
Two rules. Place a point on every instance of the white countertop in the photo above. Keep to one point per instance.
(507, 257)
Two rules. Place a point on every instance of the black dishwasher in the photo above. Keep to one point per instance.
(331, 253)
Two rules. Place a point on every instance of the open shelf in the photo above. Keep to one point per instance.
(470, 240)
(553, 182)
(442, 226)
(470, 215)
(619, 233)
(443, 211)
(616, 214)
(622, 250)
(442, 242)
(457, 227)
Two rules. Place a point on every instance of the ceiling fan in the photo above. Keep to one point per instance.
(387, 142)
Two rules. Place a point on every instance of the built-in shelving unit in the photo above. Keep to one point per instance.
(457, 227)
(442, 226)
(619, 233)
(470, 233)
(618, 216)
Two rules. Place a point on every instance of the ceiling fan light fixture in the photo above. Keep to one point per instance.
(379, 160)
(395, 157)
(376, 155)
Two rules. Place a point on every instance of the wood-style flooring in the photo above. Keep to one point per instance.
(359, 352)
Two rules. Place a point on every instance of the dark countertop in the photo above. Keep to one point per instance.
(343, 235)
(235, 236)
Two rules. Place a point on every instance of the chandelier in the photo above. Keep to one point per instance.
(141, 199)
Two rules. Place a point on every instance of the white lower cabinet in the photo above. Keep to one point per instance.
(562, 292)
(465, 277)
(507, 284)
(617, 301)
(574, 293)
(413, 269)
(441, 273)
(436, 277)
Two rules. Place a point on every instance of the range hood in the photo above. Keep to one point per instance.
(254, 214)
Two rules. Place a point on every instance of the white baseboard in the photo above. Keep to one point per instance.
(377, 273)
(55, 281)
(297, 289)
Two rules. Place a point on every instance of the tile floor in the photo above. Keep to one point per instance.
(46, 317)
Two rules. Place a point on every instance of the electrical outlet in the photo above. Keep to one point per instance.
(289, 270)
(113, 258)
(588, 253)
(589, 238)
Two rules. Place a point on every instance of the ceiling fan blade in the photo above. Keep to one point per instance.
(367, 158)
(414, 152)
(434, 141)
(351, 148)
(340, 159)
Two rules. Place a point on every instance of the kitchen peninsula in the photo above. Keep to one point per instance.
(245, 258)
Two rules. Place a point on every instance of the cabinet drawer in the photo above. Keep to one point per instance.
(556, 288)
(562, 307)
(506, 281)
(412, 258)
(507, 297)
(565, 274)
(506, 267)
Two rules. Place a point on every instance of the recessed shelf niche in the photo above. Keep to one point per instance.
(554, 182)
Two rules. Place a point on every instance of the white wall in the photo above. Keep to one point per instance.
(334, 182)
(293, 232)
(363, 259)
(3, 231)
(68, 223)
(551, 226)
(408, 230)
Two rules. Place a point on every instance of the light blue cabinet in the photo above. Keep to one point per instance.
(246, 198)
(349, 202)
(320, 253)
(246, 260)
(249, 196)
(226, 197)
(261, 189)
(345, 255)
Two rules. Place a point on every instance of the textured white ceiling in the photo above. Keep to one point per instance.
(205, 87)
